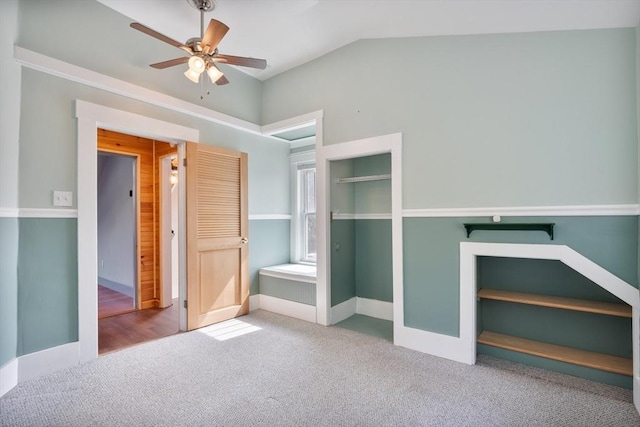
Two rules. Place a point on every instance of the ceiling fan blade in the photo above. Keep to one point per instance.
(241, 60)
(170, 63)
(215, 32)
(222, 81)
(157, 35)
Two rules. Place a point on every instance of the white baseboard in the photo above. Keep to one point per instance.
(374, 308)
(47, 361)
(343, 310)
(254, 302)
(288, 308)
(8, 376)
(448, 347)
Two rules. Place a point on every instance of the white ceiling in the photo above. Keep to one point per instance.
(288, 33)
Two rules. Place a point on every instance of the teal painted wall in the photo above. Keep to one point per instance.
(487, 120)
(432, 258)
(47, 284)
(342, 195)
(9, 230)
(9, 137)
(268, 245)
(373, 257)
(343, 261)
(49, 163)
(9, 105)
(372, 196)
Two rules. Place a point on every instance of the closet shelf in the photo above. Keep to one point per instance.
(546, 227)
(604, 362)
(363, 178)
(599, 307)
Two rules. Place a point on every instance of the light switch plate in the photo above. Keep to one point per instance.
(62, 198)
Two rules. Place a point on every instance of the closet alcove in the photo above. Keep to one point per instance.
(361, 244)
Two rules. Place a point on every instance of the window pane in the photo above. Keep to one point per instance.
(310, 240)
(309, 190)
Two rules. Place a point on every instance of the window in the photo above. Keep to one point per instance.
(303, 215)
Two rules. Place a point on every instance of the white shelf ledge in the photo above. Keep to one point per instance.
(363, 178)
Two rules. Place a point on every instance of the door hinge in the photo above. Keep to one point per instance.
(185, 304)
(130, 193)
(184, 162)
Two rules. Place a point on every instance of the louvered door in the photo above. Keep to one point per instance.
(217, 235)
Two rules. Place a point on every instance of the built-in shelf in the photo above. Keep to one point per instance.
(604, 362)
(363, 178)
(546, 227)
(599, 307)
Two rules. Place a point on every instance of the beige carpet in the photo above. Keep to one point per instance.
(283, 371)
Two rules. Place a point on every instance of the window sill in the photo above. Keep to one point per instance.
(297, 272)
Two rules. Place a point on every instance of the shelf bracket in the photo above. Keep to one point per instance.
(546, 227)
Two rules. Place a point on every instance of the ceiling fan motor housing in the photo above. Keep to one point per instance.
(202, 5)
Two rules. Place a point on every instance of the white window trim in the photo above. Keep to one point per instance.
(297, 159)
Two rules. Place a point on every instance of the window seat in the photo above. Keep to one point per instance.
(296, 272)
(292, 282)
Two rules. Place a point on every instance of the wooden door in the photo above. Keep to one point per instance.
(217, 235)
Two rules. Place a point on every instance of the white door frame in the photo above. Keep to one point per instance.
(348, 150)
(165, 231)
(90, 117)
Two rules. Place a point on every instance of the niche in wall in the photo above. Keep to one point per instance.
(587, 330)
(361, 241)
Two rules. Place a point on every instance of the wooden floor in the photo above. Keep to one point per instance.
(126, 330)
(111, 302)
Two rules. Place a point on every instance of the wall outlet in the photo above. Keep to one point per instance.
(62, 198)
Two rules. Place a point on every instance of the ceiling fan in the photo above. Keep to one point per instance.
(203, 51)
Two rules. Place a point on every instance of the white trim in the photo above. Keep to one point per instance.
(90, 118)
(440, 345)
(343, 311)
(343, 216)
(259, 217)
(303, 142)
(577, 210)
(8, 376)
(374, 308)
(288, 276)
(254, 302)
(302, 157)
(47, 213)
(9, 212)
(47, 361)
(469, 251)
(292, 123)
(65, 70)
(365, 147)
(288, 308)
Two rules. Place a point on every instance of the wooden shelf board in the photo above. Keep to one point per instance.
(599, 307)
(604, 362)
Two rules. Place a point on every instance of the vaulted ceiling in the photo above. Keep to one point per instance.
(288, 33)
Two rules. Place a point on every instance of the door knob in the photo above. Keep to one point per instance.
(244, 240)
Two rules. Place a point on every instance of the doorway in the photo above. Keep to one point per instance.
(117, 231)
(132, 186)
(327, 312)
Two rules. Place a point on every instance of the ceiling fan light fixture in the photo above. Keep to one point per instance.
(194, 76)
(214, 73)
(196, 64)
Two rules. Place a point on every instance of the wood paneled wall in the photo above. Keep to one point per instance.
(148, 153)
